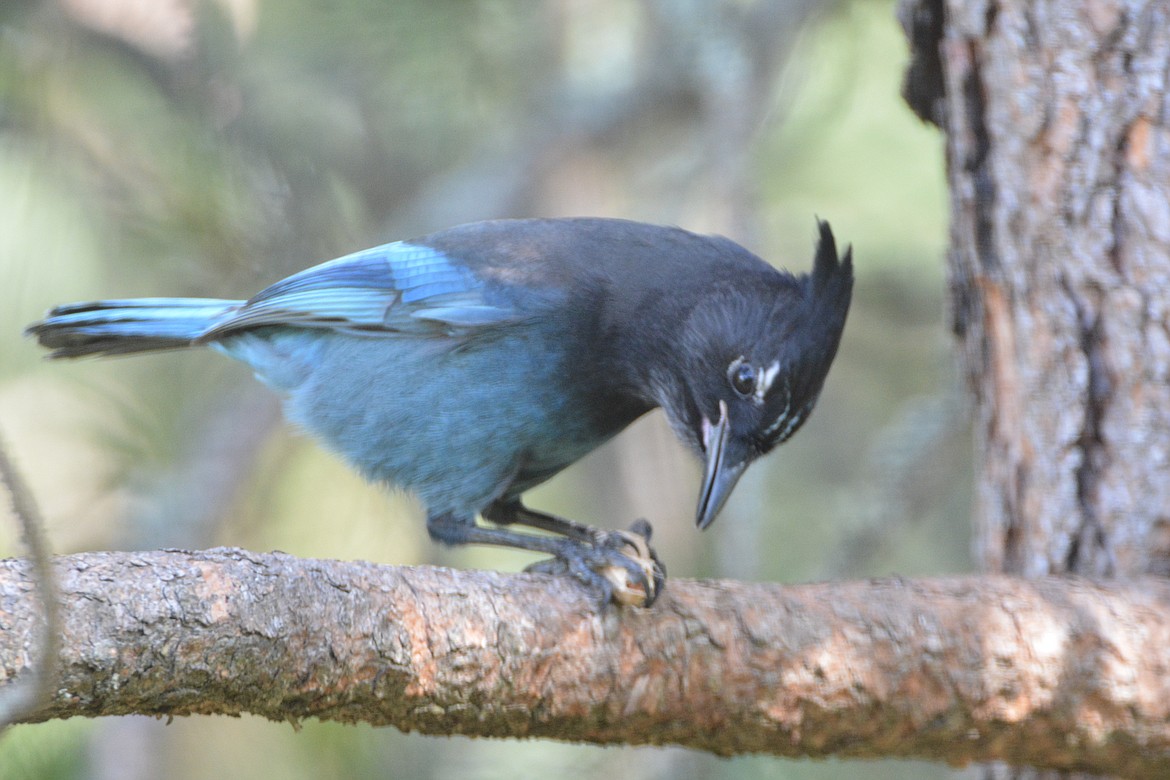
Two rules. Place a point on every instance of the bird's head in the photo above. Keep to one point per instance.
(758, 355)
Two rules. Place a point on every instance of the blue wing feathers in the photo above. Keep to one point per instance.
(354, 270)
(433, 289)
(348, 307)
(398, 266)
(466, 316)
(393, 288)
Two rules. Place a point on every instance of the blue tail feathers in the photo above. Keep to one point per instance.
(127, 326)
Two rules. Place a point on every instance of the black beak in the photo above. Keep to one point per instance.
(721, 472)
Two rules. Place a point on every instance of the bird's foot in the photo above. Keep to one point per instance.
(620, 566)
(647, 582)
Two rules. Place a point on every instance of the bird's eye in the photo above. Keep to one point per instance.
(742, 376)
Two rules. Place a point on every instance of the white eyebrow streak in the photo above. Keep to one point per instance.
(767, 377)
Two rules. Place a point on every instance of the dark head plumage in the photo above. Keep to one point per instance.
(758, 350)
(811, 344)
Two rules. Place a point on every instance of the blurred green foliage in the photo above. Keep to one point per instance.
(221, 145)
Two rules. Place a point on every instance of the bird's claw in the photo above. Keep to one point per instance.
(641, 584)
(619, 565)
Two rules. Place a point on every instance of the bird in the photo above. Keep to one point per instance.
(474, 363)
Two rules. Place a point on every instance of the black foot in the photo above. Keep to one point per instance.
(619, 566)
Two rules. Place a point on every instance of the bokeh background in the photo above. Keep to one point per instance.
(179, 147)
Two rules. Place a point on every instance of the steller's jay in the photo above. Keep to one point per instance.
(477, 362)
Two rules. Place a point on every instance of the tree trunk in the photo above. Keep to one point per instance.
(1058, 158)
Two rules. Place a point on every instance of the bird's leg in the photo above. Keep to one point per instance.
(587, 562)
(634, 544)
(507, 513)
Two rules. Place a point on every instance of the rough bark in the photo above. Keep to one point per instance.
(1058, 154)
(1060, 673)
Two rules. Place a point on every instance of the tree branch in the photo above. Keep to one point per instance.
(1060, 673)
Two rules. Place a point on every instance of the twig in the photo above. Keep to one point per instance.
(29, 693)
